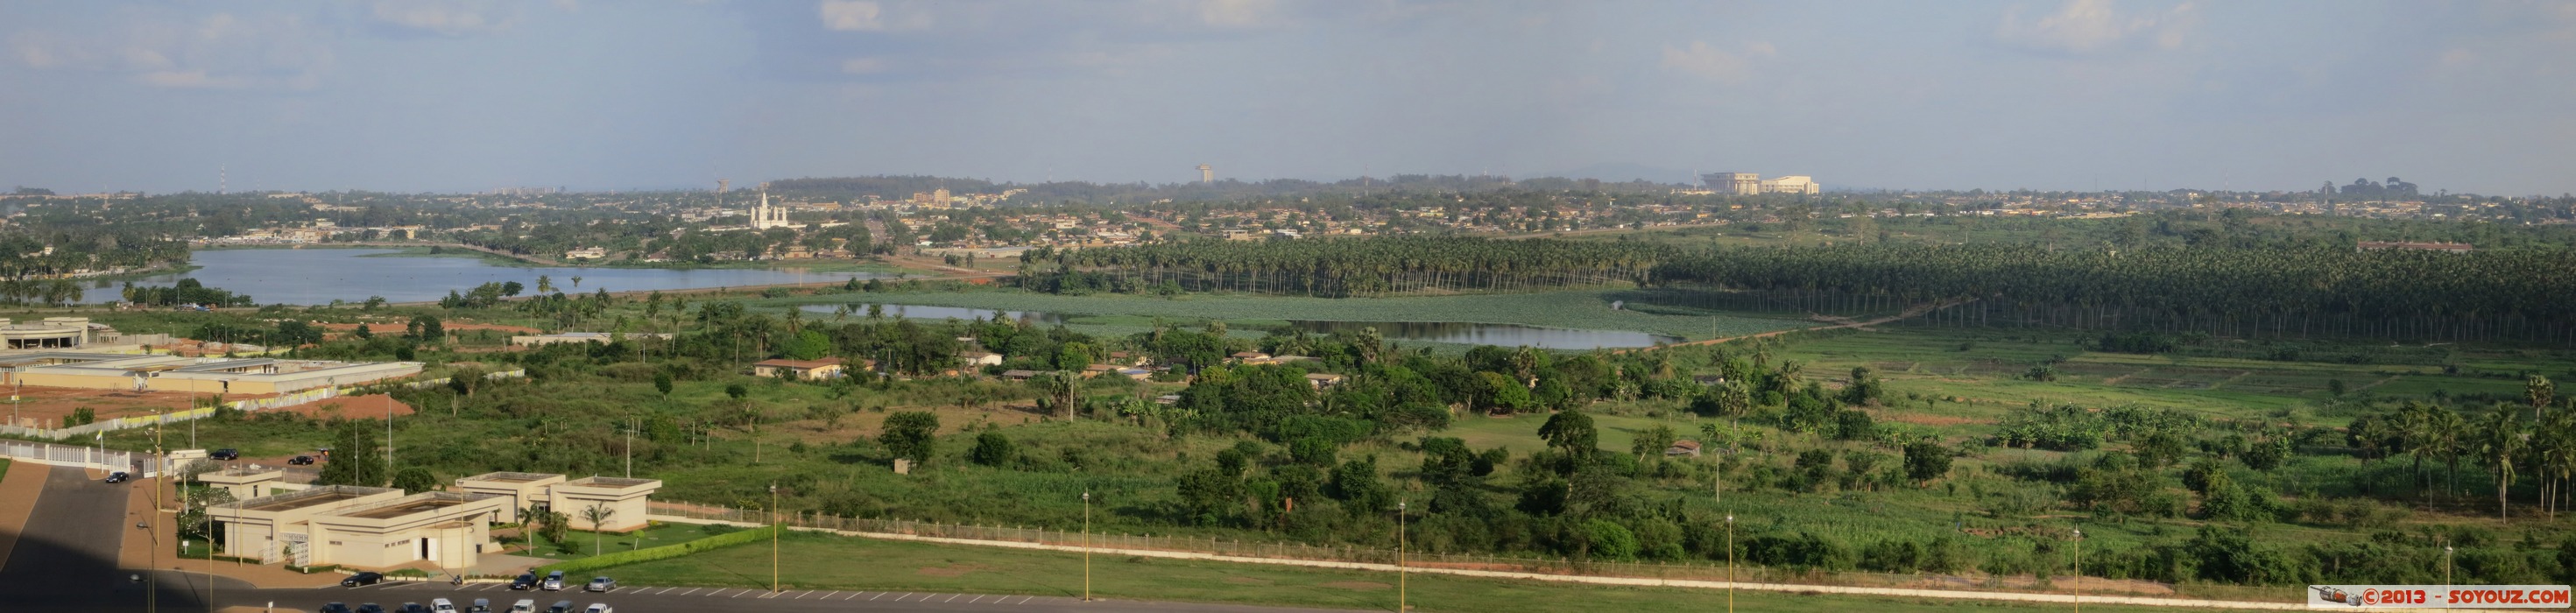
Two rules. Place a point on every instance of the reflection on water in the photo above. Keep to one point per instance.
(318, 276)
(1506, 335)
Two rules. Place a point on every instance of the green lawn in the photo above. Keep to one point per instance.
(841, 563)
(592, 543)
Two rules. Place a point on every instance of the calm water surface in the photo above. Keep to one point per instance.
(1506, 335)
(318, 276)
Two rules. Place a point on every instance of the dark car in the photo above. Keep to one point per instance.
(302, 460)
(336, 607)
(413, 607)
(561, 606)
(481, 605)
(225, 454)
(118, 477)
(526, 581)
(370, 608)
(364, 578)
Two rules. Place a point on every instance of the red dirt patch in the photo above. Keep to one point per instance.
(371, 406)
(46, 406)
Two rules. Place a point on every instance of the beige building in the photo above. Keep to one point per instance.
(1752, 184)
(624, 501)
(362, 527)
(247, 482)
(810, 370)
(51, 333)
(581, 337)
(520, 490)
(449, 529)
(163, 373)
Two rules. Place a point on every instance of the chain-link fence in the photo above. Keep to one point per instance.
(1692, 571)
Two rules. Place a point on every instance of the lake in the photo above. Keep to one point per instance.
(318, 276)
(1506, 335)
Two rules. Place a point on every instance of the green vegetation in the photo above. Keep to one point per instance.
(849, 563)
(712, 537)
(1126, 314)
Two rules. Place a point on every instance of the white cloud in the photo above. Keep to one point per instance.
(871, 16)
(445, 17)
(2087, 26)
(1238, 13)
(1706, 61)
(214, 51)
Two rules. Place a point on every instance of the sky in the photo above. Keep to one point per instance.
(475, 95)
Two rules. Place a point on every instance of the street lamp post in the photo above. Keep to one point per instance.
(2446, 566)
(1086, 546)
(2079, 570)
(1399, 558)
(1730, 563)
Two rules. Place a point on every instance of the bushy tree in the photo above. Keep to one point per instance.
(993, 449)
(910, 435)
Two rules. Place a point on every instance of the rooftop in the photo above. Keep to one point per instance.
(611, 482)
(307, 498)
(511, 477)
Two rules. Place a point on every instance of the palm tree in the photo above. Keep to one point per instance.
(2539, 390)
(598, 513)
(2499, 441)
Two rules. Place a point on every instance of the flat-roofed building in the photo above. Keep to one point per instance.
(245, 482)
(51, 333)
(623, 499)
(522, 490)
(165, 373)
(277, 527)
(810, 370)
(448, 529)
(582, 337)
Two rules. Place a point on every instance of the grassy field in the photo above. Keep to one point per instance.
(592, 544)
(1584, 309)
(842, 563)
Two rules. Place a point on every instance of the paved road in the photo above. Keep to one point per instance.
(721, 600)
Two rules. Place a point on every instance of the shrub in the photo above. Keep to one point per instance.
(1607, 540)
(993, 449)
(649, 554)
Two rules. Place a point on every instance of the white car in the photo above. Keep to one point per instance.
(441, 605)
(600, 607)
(524, 606)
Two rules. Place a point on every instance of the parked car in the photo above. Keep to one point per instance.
(561, 606)
(118, 477)
(335, 607)
(364, 578)
(370, 608)
(481, 605)
(413, 607)
(441, 605)
(225, 454)
(554, 582)
(526, 581)
(600, 584)
(302, 460)
(524, 606)
(600, 607)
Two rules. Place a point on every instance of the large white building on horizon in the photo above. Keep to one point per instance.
(1752, 184)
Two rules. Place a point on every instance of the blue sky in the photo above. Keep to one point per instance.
(470, 95)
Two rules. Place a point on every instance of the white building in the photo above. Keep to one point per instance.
(1752, 184)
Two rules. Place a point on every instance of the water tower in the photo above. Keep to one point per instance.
(1206, 174)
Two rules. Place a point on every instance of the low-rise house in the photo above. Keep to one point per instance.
(1250, 357)
(1682, 449)
(1018, 374)
(808, 370)
(1323, 380)
(980, 358)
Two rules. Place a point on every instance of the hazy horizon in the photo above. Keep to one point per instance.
(476, 95)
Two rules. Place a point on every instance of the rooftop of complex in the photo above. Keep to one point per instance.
(307, 498)
(511, 477)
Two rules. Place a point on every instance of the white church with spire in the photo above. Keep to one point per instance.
(764, 217)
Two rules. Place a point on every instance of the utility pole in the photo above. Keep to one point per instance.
(630, 448)
(389, 439)
(1086, 546)
(2079, 570)
(773, 537)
